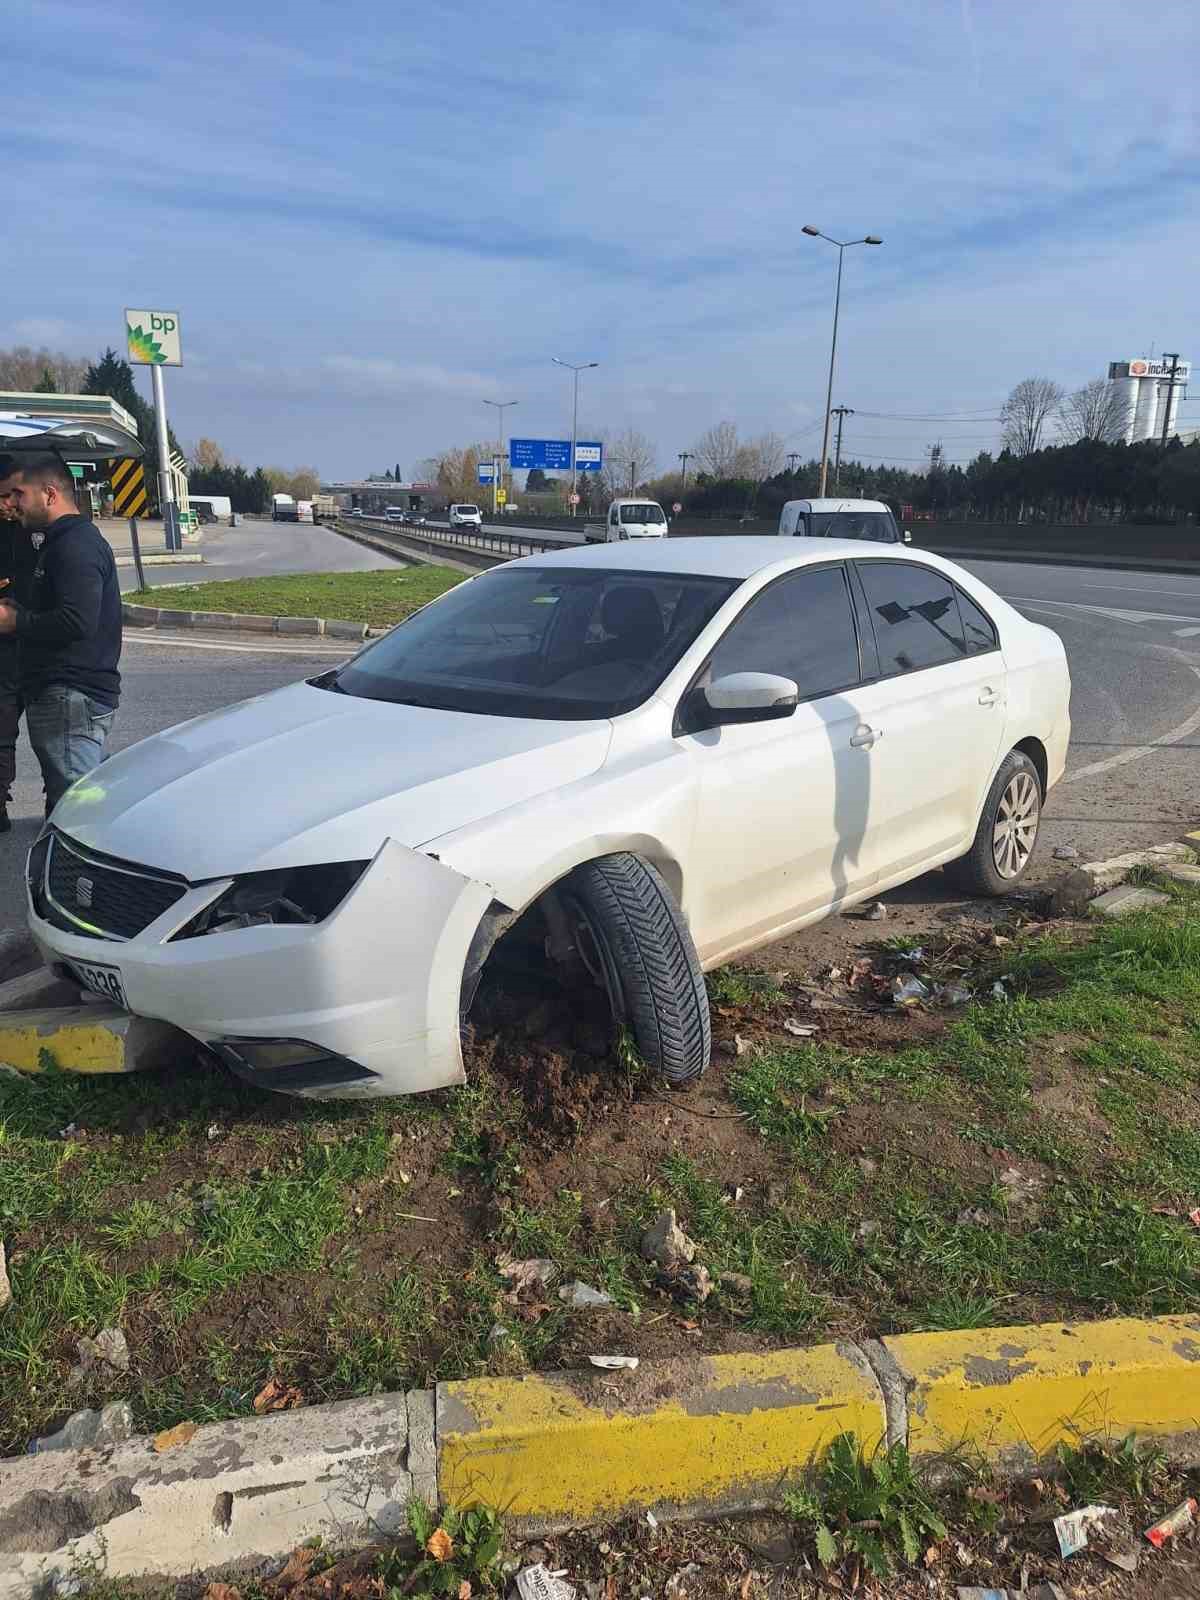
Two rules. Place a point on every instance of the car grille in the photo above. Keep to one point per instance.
(97, 897)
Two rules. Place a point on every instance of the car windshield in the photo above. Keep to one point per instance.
(876, 525)
(642, 513)
(470, 511)
(544, 642)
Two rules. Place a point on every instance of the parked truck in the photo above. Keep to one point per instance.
(284, 508)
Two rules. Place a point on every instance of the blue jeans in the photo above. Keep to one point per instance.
(68, 731)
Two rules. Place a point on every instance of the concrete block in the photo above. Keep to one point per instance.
(1072, 893)
(345, 630)
(87, 1038)
(170, 618)
(681, 1437)
(235, 1491)
(1012, 1394)
(135, 616)
(1128, 898)
(304, 625)
(1180, 873)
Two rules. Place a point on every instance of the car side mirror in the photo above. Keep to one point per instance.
(748, 697)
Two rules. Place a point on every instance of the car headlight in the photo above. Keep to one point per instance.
(289, 896)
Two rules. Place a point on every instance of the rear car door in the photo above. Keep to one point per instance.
(782, 808)
(936, 708)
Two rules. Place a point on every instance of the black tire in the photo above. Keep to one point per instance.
(993, 866)
(646, 959)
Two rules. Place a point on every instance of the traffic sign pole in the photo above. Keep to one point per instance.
(166, 485)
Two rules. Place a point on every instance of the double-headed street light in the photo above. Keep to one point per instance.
(571, 367)
(842, 246)
(501, 407)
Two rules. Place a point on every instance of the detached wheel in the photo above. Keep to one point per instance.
(1007, 832)
(633, 940)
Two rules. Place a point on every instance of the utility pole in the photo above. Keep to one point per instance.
(633, 477)
(684, 457)
(1173, 357)
(841, 413)
(792, 458)
(166, 484)
(498, 468)
(583, 366)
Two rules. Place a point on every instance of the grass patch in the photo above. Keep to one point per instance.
(378, 598)
(1012, 1161)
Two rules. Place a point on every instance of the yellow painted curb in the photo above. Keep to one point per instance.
(708, 1434)
(90, 1039)
(1012, 1394)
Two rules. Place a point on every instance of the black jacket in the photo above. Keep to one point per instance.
(17, 560)
(69, 630)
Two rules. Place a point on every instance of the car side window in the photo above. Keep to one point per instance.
(800, 628)
(978, 628)
(914, 613)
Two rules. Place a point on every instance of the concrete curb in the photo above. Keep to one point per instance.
(683, 1438)
(241, 622)
(161, 559)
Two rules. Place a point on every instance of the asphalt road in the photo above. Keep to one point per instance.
(260, 550)
(1132, 639)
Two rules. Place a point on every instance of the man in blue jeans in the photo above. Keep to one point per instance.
(69, 634)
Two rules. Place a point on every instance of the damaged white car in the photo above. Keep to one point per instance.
(623, 765)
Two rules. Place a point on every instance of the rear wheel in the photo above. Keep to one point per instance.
(631, 936)
(1007, 832)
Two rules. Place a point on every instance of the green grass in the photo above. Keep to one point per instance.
(378, 598)
(860, 1189)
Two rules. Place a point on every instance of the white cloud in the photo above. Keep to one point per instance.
(382, 375)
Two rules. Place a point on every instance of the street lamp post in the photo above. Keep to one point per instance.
(501, 407)
(571, 367)
(684, 457)
(842, 246)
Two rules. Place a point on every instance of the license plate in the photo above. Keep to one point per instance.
(105, 981)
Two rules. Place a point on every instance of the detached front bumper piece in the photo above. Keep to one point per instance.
(364, 1003)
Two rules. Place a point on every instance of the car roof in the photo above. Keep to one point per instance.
(839, 505)
(723, 555)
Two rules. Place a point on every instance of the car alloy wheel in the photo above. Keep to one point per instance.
(1016, 825)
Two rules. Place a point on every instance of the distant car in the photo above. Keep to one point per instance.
(841, 519)
(394, 514)
(355, 511)
(635, 519)
(611, 768)
(465, 516)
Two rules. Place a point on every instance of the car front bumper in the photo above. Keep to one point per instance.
(374, 990)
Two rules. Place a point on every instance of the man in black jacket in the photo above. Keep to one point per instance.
(69, 632)
(16, 567)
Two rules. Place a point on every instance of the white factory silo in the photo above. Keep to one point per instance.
(1150, 391)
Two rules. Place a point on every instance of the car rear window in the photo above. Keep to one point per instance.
(915, 615)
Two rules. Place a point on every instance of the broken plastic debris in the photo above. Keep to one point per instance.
(1072, 1528)
(582, 1297)
(651, 1519)
(1174, 1522)
(1066, 852)
(915, 957)
(802, 1030)
(999, 992)
(952, 994)
(537, 1583)
(875, 912)
(615, 1363)
(170, 1438)
(908, 990)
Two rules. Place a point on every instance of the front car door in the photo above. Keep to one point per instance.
(937, 709)
(783, 806)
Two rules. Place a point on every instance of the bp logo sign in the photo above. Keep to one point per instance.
(152, 338)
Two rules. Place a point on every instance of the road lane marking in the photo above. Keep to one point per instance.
(1106, 611)
(241, 649)
(1186, 633)
(1183, 731)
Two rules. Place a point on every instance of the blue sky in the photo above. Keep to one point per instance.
(373, 218)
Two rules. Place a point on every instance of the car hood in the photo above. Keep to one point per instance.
(305, 775)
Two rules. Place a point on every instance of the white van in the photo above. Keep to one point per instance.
(465, 516)
(635, 519)
(841, 519)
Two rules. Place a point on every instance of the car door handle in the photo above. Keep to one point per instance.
(863, 737)
(988, 697)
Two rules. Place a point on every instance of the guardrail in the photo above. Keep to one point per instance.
(514, 543)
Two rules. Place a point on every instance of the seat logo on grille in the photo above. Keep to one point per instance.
(84, 888)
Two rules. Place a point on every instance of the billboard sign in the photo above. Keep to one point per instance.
(1150, 367)
(554, 455)
(152, 338)
(487, 472)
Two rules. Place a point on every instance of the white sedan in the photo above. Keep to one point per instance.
(629, 763)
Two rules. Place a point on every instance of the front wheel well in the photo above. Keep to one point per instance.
(1036, 751)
